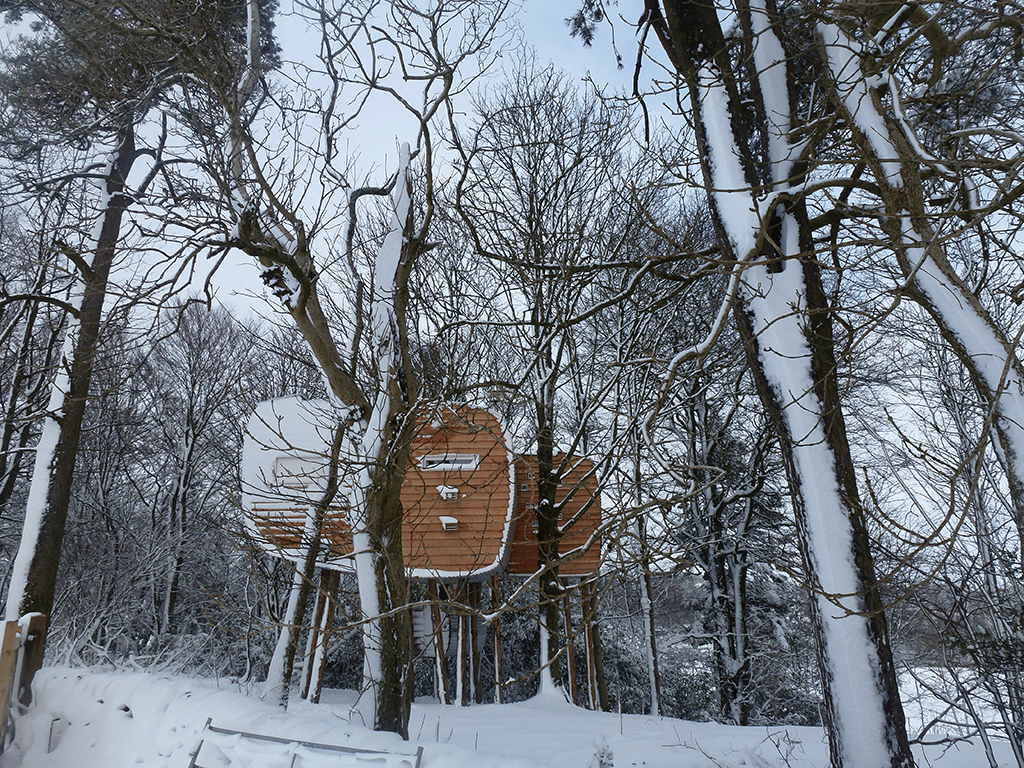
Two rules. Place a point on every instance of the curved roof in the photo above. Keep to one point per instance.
(285, 462)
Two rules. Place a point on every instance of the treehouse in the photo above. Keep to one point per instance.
(285, 467)
(457, 496)
(468, 517)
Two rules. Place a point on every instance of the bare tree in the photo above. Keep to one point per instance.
(744, 105)
(374, 404)
(543, 192)
(78, 90)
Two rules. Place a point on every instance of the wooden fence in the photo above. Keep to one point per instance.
(21, 656)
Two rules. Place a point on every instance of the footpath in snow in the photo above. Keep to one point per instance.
(86, 719)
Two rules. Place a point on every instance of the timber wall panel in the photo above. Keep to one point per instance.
(482, 508)
(580, 484)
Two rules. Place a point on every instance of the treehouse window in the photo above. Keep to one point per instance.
(449, 462)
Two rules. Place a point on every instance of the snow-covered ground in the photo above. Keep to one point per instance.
(85, 719)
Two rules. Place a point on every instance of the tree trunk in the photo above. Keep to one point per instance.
(548, 536)
(34, 577)
(384, 525)
(784, 323)
(964, 323)
(647, 609)
(26, 385)
(798, 389)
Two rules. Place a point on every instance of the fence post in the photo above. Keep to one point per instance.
(8, 663)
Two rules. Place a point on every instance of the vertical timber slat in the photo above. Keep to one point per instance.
(444, 691)
(464, 650)
(8, 662)
(474, 643)
(499, 686)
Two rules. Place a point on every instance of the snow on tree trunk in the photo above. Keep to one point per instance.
(647, 611)
(373, 447)
(549, 533)
(375, 427)
(891, 149)
(46, 450)
(34, 575)
(547, 685)
(276, 687)
(852, 668)
(782, 317)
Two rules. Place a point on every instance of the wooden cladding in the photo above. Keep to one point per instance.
(457, 495)
(579, 507)
(468, 507)
(283, 528)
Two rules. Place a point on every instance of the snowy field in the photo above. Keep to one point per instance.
(84, 719)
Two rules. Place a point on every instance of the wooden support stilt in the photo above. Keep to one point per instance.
(588, 636)
(444, 692)
(320, 633)
(570, 646)
(474, 643)
(464, 650)
(601, 684)
(499, 680)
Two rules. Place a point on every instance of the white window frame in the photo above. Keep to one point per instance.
(449, 462)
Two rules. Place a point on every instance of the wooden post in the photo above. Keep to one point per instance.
(8, 664)
(464, 648)
(323, 620)
(570, 646)
(33, 645)
(588, 644)
(602, 683)
(595, 664)
(499, 680)
(474, 642)
(444, 692)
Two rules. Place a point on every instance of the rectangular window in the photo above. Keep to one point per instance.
(449, 462)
